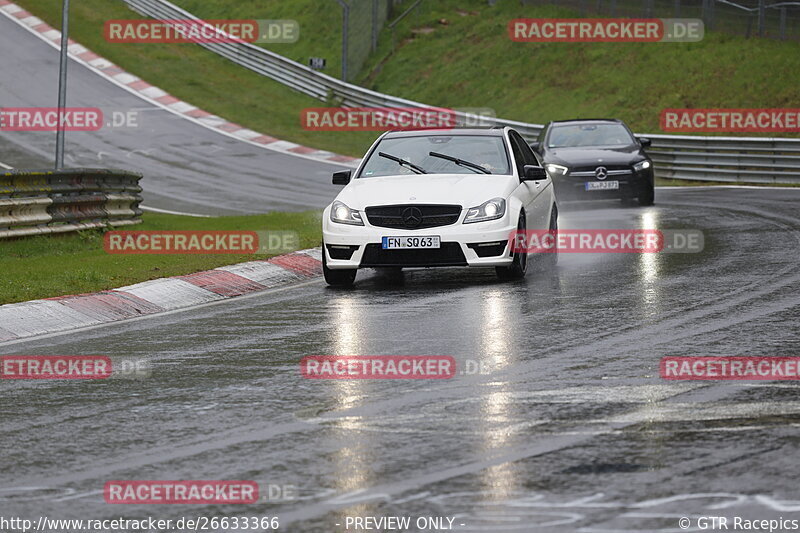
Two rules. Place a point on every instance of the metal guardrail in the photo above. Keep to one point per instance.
(35, 202)
(724, 159)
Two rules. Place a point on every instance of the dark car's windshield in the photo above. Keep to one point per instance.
(487, 151)
(575, 135)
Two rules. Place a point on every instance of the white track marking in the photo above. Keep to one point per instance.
(168, 212)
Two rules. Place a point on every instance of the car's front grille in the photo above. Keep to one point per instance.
(413, 216)
(591, 171)
(449, 254)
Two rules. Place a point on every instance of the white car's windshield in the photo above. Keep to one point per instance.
(575, 135)
(486, 151)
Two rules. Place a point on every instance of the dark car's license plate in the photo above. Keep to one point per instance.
(602, 185)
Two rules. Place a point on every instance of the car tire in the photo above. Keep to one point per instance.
(337, 278)
(552, 259)
(545, 262)
(647, 194)
(519, 266)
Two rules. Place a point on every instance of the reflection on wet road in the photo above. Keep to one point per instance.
(568, 426)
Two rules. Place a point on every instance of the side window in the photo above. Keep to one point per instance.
(519, 157)
(528, 156)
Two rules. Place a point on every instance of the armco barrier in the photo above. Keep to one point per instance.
(34, 202)
(726, 159)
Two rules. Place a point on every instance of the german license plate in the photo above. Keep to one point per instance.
(602, 185)
(396, 243)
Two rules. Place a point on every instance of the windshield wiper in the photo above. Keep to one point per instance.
(460, 162)
(403, 163)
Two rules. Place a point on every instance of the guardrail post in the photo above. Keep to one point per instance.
(62, 85)
(704, 11)
(677, 9)
(762, 12)
(374, 25)
(345, 35)
(783, 23)
(710, 22)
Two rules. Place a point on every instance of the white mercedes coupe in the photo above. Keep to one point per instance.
(438, 198)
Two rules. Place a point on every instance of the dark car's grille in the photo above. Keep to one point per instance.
(586, 168)
(612, 171)
(449, 254)
(413, 216)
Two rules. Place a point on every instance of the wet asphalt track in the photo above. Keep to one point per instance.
(572, 430)
(187, 168)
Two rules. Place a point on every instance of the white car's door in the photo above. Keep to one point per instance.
(536, 196)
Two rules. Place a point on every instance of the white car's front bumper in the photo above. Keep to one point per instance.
(365, 244)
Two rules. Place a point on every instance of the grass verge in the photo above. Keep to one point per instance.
(458, 53)
(56, 265)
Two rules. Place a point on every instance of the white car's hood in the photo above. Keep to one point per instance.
(466, 190)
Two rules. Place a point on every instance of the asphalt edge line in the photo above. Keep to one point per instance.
(160, 98)
(35, 319)
(168, 212)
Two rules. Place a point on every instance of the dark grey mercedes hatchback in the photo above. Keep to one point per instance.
(596, 159)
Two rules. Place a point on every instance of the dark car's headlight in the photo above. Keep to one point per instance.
(556, 170)
(344, 215)
(491, 210)
(642, 165)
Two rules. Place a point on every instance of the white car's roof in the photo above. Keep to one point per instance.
(494, 132)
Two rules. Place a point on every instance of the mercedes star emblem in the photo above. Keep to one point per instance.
(412, 217)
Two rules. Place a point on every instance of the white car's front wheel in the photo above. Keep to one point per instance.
(336, 278)
(519, 266)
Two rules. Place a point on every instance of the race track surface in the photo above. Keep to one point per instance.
(186, 167)
(571, 428)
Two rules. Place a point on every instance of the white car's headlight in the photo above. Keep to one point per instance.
(491, 210)
(641, 165)
(556, 170)
(344, 215)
